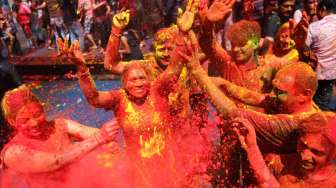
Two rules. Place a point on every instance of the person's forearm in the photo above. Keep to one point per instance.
(87, 84)
(260, 169)
(80, 131)
(43, 5)
(165, 82)
(112, 57)
(241, 93)
(76, 151)
(99, 5)
(35, 161)
(222, 103)
(209, 44)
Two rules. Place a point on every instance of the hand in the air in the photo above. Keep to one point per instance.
(219, 10)
(186, 19)
(74, 53)
(190, 51)
(121, 19)
(299, 33)
(63, 46)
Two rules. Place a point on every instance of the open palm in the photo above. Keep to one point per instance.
(219, 10)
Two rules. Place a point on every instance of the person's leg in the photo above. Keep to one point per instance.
(324, 94)
(87, 30)
(105, 33)
(77, 33)
(11, 42)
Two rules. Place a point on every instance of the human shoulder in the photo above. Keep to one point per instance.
(13, 152)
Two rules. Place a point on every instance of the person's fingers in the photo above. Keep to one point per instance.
(291, 24)
(193, 39)
(183, 55)
(189, 47)
(246, 124)
(231, 3)
(77, 46)
(240, 137)
(226, 12)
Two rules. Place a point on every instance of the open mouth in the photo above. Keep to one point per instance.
(307, 165)
(35, 132)
(139, 91)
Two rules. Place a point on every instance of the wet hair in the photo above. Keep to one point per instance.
(305, 76)
(243, 31)
(276, 47)
(328, 5)
(166, 34)
(134, 64)
(317, 122)
(15, 99)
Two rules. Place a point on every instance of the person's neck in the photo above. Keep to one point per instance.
(306, 107)
(327, 14)
(137, 101)
(249, 64)
(323, 173)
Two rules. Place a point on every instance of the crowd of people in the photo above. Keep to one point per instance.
(267, 67)
(43, 22)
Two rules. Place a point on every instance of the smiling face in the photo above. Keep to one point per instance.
(242, 54)
(31, 120)
(283, 41)
(314, 149)
(136, 82)
(244, 37)
(162, 50)
(164, 44)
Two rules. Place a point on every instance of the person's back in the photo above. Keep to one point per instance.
(322, 37)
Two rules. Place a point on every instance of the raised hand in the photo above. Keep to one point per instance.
(246, 132)
(219, 10)
(299, 32)
(75, 55)
(248, 8)
(186, 19)
(191, 57)
(62, 46)
(121, 19)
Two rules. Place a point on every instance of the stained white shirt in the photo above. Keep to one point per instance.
(321, 39)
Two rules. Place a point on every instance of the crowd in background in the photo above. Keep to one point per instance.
(85, 20)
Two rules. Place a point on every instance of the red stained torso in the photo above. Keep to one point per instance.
(142, 120)
(257, 78)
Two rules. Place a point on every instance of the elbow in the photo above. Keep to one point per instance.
(112, 69)
(93, 101)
